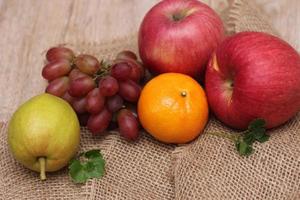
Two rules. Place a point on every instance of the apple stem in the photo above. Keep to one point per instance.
(177, 17)
(233, 137)
(42, 162)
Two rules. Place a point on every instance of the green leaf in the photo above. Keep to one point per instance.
(257, 128)
(256, 125)
(259, 133)
(95, 168)
(243, 148)
(92, 167)
(243, 142)
(249, 138)
(77, 172)
(264, 138)
(93, 154)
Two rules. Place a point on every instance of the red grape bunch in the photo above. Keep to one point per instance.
(103, 94)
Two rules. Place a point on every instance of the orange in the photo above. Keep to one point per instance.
(173, 108)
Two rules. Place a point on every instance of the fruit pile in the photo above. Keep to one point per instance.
(102, 94)
(251, 83)
(247, 76)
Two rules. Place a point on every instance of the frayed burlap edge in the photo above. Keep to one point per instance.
(235, 13)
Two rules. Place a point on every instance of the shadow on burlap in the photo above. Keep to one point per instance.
(208, 168)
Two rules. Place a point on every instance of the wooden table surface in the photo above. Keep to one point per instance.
(29, 27)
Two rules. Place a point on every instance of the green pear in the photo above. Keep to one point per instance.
(44, 134)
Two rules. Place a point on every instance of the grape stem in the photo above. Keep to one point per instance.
(42, 162)
(104, 70)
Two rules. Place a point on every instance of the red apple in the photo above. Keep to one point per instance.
(254, 75)
(179, 36)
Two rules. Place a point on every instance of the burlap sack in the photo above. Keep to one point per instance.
(134, 171)
(210, 168)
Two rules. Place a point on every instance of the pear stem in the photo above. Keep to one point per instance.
(42, 162)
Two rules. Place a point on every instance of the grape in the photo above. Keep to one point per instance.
(99, 122)
(128, 125)
(108, 86)
(58, 87)
(56, 69)
(67, 97)
(75, 74)
(132, 108)
(114, 103)
(81, 86)
(95, 101)
(129, 90)
(83, 118)
(120, 71)
(126, 55)
(137, 71)
(56, 53)
(87, 64)
(79, 105)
